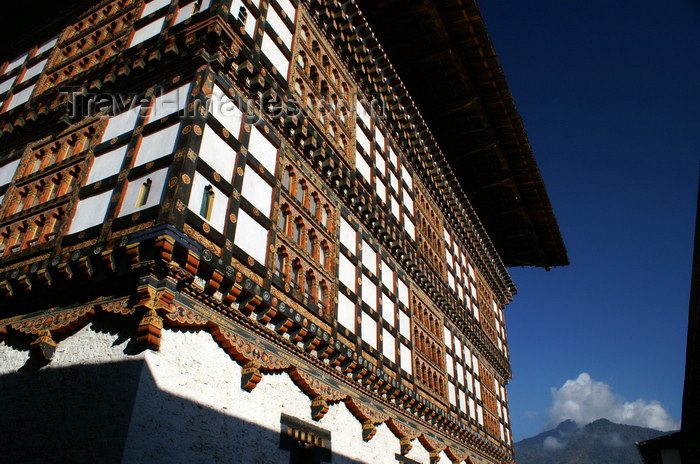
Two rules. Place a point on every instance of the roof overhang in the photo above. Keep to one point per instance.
(444, 56)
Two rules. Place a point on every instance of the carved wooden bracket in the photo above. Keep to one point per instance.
(44, 346)
(251, 376)
(149, 330)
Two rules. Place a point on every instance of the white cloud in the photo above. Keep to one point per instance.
(552, 444)
(584, 400)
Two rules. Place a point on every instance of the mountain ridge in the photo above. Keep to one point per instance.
(599, 442)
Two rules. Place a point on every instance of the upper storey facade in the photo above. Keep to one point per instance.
(254, 167)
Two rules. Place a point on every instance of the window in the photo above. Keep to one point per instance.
(257, 191)
(157, 145)
(146, 32)
(301, 190)
(312, 205)
(207, 203)
(309, 286)
(297, 232)
(310, 244)
(283, 220)
(279, 263)
(287, 179)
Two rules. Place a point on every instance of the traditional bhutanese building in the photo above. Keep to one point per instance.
(260, 231)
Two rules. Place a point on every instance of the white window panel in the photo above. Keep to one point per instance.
(394, 182)
(480, 414)
(280, 27)
(500, 344)
(448, 258)
(475, 309)
(257, 191)
(403, 293)
(467, 356)
(379, 137)
(48, 45)
(154, 5)
(451, 390)
(393, 159)
(262, 149)
(473, 289)
(187, 11)
(471, 272)
(500, 428)
(458, 348)
(503, 393)
(369, 292)
(506, 417)
(217, 153)
(157, 145)
(388, 345)
(219, 210)
(363, 141)
(408, 201)
(17, 62)
(460, 296)
(7, 172)
(346, 312)
(388, 310)
(121, 123)
(225, 110)
(379, 162)
(395, 208)
(147, 31)
(362, 167)
(273, 52)
(451, 281)
(107, 164)
(472, 408)
(90, 212)
(6, 84)
(410, 228)
(387, 276)
(364, 114)
(460, 374)
(251, 237)
(475, 365)
(346, 273)
(369, 257)
(236, 6)
(477, 389)
(288, 8)
(20, 97)
(449, 364)
(463, 402)
(369, 330)
(469, 382)
(447, 237)
(133, 192)
(404, 325)
(407, 177)
(406, 361)
(348, 236)
(447, 336)
(380, 188)
(33, 71)
(169, 103)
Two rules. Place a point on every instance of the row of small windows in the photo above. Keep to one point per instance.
(21, 74)
(314, 287)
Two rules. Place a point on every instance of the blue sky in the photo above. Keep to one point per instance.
(609, 94)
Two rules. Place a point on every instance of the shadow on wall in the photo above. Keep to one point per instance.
(115, 412)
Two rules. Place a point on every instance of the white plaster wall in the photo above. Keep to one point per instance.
(182, 404)
(191, 395)
(75, 409)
